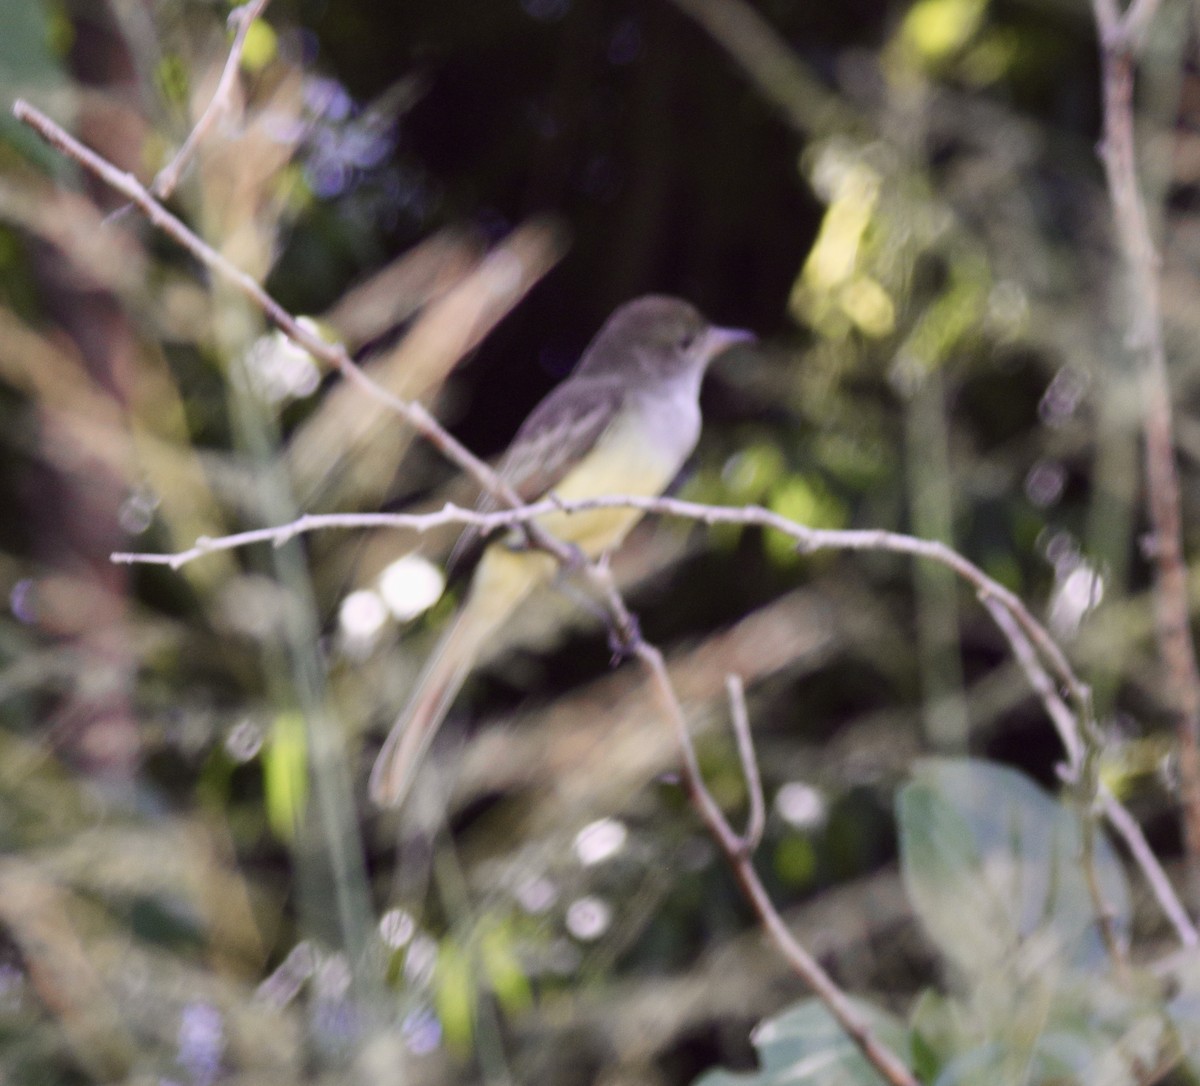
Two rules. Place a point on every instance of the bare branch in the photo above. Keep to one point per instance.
(240, 19)
(1013, 623)
(1131, 833)
(1079, 773)
(736, 855)
(1128, 30)
(1138, 17)
(1064, 721)
(807, 539)
(1108, 19)
(757, 821)
(1176, 645)
(805, 966)
(277, 537)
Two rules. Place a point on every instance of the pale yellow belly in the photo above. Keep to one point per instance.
(638, 455)
(627, 460)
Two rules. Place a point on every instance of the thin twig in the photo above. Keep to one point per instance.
(1079, 772)
(886, 1062)
(241, 19)
(1176, 645)
(1064, 721)
(1013, 627)
(757, 820)
(1108, 19)
(807, 539)
(1105, 915)
(1113, 810)
(1143, 855)
(277, 537)
(733, 846)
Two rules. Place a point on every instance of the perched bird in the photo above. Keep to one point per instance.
(623, 422)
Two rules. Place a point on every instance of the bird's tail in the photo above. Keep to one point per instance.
(503, 579)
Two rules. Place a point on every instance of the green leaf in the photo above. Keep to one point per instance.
(795, 860)
(749, 474)
(935, 29)
(503, 968)
(1079, 1052)
(804, 1046)
(33, 38)
(940, 1029)
(993, 867)
(455, 994)
(261, 46)
(285, 775)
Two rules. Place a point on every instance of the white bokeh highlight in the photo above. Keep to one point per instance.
(410, 586)
(599, 841)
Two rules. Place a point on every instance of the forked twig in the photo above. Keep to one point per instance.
(757, 820)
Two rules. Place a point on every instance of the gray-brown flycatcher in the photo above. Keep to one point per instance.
(623, 422)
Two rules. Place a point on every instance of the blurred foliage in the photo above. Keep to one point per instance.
(992, 869)
(805, 1045)
(903, 200)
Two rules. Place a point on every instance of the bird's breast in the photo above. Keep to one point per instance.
(639, 454)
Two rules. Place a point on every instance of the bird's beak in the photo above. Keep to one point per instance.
(719, 340)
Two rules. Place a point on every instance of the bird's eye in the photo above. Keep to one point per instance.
(687, 340)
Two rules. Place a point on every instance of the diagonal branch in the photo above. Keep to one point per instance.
(333, 354)
(1119, 37)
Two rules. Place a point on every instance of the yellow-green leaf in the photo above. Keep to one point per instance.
(285, 774)
(936, 29)
(454, 996)
(261, 46)
(503, 969)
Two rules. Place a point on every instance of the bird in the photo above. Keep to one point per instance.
(623, 422)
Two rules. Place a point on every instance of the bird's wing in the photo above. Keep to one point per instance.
(558, 433)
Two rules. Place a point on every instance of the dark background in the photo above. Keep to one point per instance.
(990, 406)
